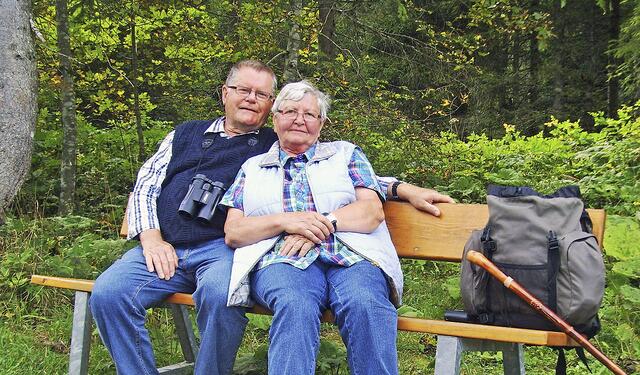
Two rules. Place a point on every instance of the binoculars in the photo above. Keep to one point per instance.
(202, 199)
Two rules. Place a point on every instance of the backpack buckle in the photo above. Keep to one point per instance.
(553, 241)
(489, 247)
(486, 318)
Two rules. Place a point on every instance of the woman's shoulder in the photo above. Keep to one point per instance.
(339, 145)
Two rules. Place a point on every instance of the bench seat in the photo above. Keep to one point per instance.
(416, 235)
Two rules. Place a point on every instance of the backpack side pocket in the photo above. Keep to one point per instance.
(473, 279)
(581, 278)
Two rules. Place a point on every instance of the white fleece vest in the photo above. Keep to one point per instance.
(331, 188)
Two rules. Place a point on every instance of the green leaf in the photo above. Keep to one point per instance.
(629, 268)
(262, 322)
(622, 237)
(410, 312)
(453, 286)
(631, 294)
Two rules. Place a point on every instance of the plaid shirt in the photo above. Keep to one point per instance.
(297, 197)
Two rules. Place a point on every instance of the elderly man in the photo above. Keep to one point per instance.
(185, 252)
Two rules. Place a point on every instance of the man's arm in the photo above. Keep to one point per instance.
(143, 213)
(420, 198)
(144, 225)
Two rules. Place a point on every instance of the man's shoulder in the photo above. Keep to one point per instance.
(268, 133)
(194, 124)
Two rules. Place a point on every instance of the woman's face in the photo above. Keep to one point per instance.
(298, 124)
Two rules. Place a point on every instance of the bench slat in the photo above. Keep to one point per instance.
(419, 235)
(438, 327)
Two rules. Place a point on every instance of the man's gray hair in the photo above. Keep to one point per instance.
(256, 65)
(296, 90)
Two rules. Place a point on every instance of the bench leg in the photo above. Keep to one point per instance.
(513, 360)
(450, 349)
(184, 329)
(448, 355)
(80, 335)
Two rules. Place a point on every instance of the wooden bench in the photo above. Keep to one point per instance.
(416, 235)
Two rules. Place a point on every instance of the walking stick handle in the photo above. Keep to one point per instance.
(480, 260)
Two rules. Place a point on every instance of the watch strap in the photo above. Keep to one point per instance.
(332, 218)
(394, 190)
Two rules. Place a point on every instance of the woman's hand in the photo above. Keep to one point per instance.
(311, 225)
(295, 244)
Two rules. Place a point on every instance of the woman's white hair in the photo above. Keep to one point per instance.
(296, 90)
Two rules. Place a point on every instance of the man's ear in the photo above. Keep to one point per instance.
(225, 92)
(273, 120)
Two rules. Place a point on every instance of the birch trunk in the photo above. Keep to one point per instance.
(293, 45)
(18, 97)
(68, 113)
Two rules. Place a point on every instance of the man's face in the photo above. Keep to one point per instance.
(243, 112)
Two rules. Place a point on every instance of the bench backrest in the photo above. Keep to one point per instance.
(418, 235)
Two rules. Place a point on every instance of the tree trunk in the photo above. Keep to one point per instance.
(68, 113)
(558, 64)
(327, 15)
(534, 62)
(18, 97)
(293, 45)
(613, 63)
(134, 79)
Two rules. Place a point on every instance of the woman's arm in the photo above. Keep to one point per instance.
(363, 216)
(243, 230)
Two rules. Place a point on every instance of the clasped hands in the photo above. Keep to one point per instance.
(304, 231)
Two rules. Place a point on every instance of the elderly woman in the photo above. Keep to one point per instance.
(308, 223)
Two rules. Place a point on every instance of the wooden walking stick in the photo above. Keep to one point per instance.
(480, 260)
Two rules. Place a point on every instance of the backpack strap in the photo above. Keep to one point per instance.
(488, 249)
(561, 364)
(583, 358)
(553, 267)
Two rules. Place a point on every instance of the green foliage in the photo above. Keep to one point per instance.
(451, 95)
(70, 246)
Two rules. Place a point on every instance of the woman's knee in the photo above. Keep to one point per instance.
(297, 305)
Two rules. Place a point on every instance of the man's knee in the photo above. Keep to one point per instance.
(106, 293)
(211, 291)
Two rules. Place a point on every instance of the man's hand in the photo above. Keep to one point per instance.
(295, 243)
(160, 255)
(311, 225)
(422, 199)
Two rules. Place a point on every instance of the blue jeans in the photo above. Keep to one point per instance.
(357, 295)
(123, 293)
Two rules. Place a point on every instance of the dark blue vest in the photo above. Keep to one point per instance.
(220, 161)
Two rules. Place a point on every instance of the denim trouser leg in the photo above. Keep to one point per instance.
(366, 318)
(221, 327)
(296, 298)
(125, 290)
(118, 302)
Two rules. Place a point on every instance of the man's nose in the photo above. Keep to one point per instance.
(251, 97)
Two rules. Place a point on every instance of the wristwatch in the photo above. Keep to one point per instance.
(332, 218)
(394, 190)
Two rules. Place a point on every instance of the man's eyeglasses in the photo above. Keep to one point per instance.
(246, 91)
(292, 114)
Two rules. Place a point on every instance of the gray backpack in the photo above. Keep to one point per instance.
(545, 243)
